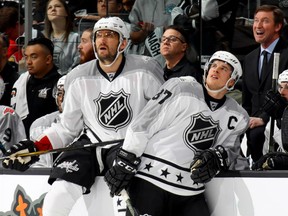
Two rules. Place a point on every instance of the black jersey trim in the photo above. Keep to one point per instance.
(169, 183)
(166, 162)
(208, 99)
(119, 70)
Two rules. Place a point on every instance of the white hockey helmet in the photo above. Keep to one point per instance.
(283, 77)
(59, 87)
(114, 24)
(60, 90)
(61, 82)
(231, 60)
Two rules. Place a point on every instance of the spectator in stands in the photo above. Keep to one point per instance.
(174, 45)
(8, 71)
(85, 47)
(127, 5)
(32, 93)
(59, 29)
(12, 24)
(114, 8)
(267, 26)
(73, 5)
(148, 18)
(146, 15)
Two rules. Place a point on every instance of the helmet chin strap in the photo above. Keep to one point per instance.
(225, 87)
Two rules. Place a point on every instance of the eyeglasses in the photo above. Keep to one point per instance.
(106, 34)
(170, 39)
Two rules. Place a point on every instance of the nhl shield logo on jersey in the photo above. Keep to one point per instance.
(113, 110)
(202, 132)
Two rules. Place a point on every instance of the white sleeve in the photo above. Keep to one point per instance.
(71, 120)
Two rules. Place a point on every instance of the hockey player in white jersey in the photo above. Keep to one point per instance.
(102, 95)
(184, 136)
(11, 129)
(11, 126)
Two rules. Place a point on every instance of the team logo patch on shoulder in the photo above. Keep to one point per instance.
(113, 110)
(8, 110)
(202, 132)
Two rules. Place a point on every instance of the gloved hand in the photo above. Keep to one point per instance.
(274, 104)
(20, 163)
(206, 164)
(119, 176)
(272, 161)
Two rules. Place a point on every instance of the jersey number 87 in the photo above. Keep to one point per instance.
(163, 93)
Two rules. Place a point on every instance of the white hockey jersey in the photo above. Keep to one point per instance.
(104, 105)
(11, 128)
(175, 124)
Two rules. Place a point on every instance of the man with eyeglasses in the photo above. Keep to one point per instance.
(8, 71)
(185, 135)
(102, 97)
(174, 47)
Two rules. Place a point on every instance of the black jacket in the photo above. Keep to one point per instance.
(40, 97)
(184, 68)
(9, 75)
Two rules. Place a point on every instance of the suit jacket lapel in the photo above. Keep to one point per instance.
(266, 74)
(255, 76)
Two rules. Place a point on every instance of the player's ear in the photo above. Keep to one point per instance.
(231, 83)
(123, 44)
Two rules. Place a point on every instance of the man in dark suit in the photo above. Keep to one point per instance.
(267, 27)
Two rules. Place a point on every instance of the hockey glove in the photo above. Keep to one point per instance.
(274, 104)
(272, 161)
(20, 163)
(119, 176)
(208, 163)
